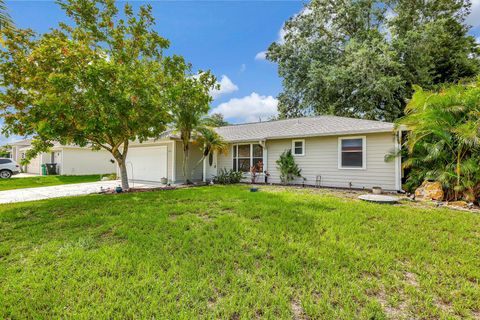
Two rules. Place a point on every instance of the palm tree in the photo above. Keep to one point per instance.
(190, 105)
(444, 138)
(210, 142)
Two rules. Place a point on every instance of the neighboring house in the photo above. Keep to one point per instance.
(331, 151)
(69, 160)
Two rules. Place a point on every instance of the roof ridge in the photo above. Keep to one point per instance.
(298, 118)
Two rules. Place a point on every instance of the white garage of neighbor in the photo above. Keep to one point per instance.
(69, 160)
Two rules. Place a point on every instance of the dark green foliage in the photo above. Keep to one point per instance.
(360, 58)
(228, 176)
(444, 139)
(289, 170)
(215, 120)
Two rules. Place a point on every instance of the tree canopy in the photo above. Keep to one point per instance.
(215, 120)
(360, 58)
(101, 81)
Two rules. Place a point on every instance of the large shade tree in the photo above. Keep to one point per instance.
(102, 81)
(361, 58)
(443, 139)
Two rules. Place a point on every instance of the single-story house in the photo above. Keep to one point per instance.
(69, 160)
(331, 152)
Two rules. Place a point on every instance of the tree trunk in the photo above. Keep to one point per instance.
(186, 175)
(123, 173)
(458, 172)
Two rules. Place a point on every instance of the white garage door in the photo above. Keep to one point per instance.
(34, 165)
(149, 163)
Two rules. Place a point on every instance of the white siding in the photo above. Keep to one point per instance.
(211, 170)
(195, 155)
(75, 161)
(321, 158)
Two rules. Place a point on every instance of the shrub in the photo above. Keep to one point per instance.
(443, 139)
(228, 177)
(288, 168)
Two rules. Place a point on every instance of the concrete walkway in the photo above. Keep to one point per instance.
(64, 190)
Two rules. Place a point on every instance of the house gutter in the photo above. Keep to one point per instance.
(338, 133)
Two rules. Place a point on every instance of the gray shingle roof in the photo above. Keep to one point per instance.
(302, 127)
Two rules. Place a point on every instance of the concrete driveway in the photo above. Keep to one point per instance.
(65, 190)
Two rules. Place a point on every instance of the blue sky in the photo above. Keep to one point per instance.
(226, 37)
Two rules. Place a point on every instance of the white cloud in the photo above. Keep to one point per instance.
(474, 18)
(262, 55)
(249, 108)
(281, 35)
(226, 86)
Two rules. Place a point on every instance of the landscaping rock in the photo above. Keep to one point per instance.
(461, 204)
(429, 191)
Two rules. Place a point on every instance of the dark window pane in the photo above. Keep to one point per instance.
(298, 150)
(298, 144)
(258, 163)
(244, 165)
(257, 151)
(3, 161)
(244, 151)
(234, 151)
(234, 165)
(352, 159)
(352, 145)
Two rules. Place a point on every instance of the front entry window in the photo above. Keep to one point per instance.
(246, 156)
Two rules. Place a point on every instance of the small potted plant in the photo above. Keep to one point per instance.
(377, 190)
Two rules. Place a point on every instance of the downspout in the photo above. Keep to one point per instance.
(204, 175)
(398, 161)
(263, 143)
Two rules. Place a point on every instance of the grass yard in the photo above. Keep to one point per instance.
(223, 252)
(44, 181)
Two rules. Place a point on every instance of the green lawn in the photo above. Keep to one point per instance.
(225, 253)
(44, 181)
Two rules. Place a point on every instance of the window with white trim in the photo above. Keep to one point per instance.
(298, 147)
(246, 156)
(352, 153)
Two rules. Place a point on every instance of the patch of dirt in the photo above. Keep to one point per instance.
(476, 314)
(411, 279)
(398, 312)
(444, 306)
(211, 303)
(297, 310)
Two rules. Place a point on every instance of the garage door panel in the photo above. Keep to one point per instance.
(147, 163)
(34, 165)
